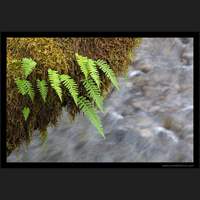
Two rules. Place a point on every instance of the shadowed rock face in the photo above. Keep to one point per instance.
(149, 120)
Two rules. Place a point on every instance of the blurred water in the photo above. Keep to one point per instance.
(149, 120)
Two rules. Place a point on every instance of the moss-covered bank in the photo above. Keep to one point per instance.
(57, 54)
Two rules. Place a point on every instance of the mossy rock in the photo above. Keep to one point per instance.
(57, 54)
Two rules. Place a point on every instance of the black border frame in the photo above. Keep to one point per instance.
(194, 164)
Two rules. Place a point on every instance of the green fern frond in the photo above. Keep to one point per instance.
(88, 67)
(83, 62)
(25, 87)
(94, 92)
(26, 112)
(43, 89)
(55, 82)
(108, 72)
(93, 71)
(28, 65)
(90, 113)
(21, 86)
(71, 85)
(30, 91)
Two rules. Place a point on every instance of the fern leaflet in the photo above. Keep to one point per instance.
(90, 113)
(25, 87)
(108, 72)
(55, 82)
(94, 92)
(71, 85)
(21, 86)
(26, 112)
(93, 71)
(83, 61)
(43, 89)
(28, 65)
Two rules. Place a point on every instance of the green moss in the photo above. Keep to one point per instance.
(57, 54)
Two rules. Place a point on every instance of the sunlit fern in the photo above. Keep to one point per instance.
(71, 85)
(93, 71)
(83, 62)
(25, 87)
(94, 92)
(108, 72)
(55, 82)
(28, 65)
(88, 67)
(26, 112)
(86, 106)
(43, 89)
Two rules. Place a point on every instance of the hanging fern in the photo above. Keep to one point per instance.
(83, 61)
(25, 87)
(21, 86)
(91, 84)
(28, 65)
(55, 82)
(94, 92)
(71, 85)
(108, 72)
(93, 71)
(90, 113)
(88, 67)
(26, 112)
(43, 89)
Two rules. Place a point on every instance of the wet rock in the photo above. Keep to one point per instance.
(144, 67)
(132, 74)
(165, 135)
(185, 40)
(117, 136)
